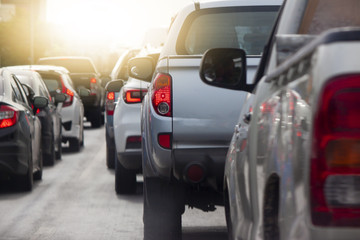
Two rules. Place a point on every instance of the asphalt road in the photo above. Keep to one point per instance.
(76, 200)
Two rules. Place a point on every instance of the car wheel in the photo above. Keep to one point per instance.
(74, 145)
(96, 119)
(39, 172)
(49, 159)
(227, 215)
(25, 182)
(163, 207)
(82, 137)
(59, 151)
(110, 153)
(125, 180)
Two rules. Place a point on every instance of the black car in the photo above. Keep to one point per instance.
(49, 116)
(20, 133)
(85, 76)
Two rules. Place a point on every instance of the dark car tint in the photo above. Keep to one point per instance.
(73, 65)
(243, 27)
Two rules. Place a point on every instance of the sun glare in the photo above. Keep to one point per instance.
(99, 22)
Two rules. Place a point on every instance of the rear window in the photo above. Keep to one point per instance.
(52, 81)
(240, 27)
(73, 65)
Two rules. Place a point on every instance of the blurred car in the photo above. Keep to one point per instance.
(49, 116)
(119, 73)
(84, 75)
(20, 132)
(57, 80)
(127, 132)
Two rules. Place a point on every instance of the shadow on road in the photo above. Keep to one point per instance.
(208, 233)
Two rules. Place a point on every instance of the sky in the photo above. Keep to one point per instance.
(123, 22)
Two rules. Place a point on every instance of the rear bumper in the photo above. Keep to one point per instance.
(131, 160)
(211, 160)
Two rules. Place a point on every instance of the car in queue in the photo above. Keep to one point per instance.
(20, 133)
(292, 169)
(84, 75)
(119, 73)
(58, 81)
(49, 116)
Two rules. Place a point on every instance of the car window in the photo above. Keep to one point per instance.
(243, 27)
(73, 65)
(18, 95)
(52, 82)
(320, 15)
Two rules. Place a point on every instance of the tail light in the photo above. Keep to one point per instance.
(131, 95)
(8, 116)
(161, 94)
(93, 86)
(164, 140)
(133, 142)
(335, 163)
(110, 103)
(68, 93)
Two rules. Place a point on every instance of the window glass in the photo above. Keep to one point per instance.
(246, 27)
(18, 95)
(52, 82)
(73, 65)
(322, 15)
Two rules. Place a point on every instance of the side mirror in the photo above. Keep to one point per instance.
(225, 68)
(83, 92)
(141, 68)
(114, 86)
(59, 98)
(40, 102)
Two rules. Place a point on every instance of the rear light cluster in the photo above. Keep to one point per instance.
(93, 86)
(161, 94)
(8, 116)
(110, 103)
(69, 95)
(131, 95)
(133, 142)
(335, 163)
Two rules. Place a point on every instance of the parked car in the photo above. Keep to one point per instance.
(58, 81)
(20, 132)
(84, 74)
(292, 169)
(49, 116)
(186, 125)
(119, 73)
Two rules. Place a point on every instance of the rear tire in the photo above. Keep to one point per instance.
(49, 159)
(110, 158)
(96, 119)
(25, 182)
(59, 151)
(38, 174)
(74, 145)
(125, 180)
(163, 207)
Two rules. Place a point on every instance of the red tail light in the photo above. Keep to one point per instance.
(93, 86)
(164, 140)
(161, 94)
(110, 103)
(134, 95)
(69, 95)
(8, 116)
(111, 96)
(335, 163)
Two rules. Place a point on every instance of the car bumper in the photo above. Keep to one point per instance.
(131, 160)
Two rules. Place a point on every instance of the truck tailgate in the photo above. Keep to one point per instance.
(203, 116)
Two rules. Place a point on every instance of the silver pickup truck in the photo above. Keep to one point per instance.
(186, 124)
(293, 166)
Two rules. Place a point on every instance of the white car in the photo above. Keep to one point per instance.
(127, 132)
(57, 79)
